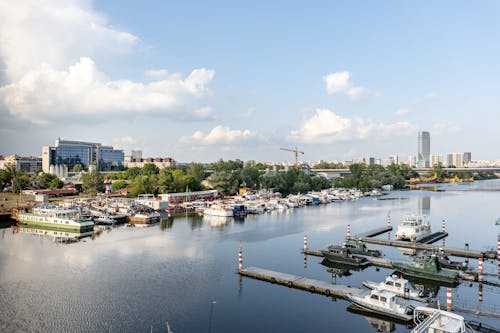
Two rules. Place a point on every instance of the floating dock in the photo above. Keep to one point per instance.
(433, 237)
(375, 232)
(464, 253)
(299, 282)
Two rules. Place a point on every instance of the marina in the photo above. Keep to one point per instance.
(193, 252)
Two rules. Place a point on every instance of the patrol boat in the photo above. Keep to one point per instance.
(427, 267)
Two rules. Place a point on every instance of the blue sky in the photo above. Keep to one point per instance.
(199, 81)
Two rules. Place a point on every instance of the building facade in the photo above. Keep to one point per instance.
(24, 164)
(160, 162)
(467, 157)
(71, 153)
(412, 161)
(424, 149)
(436, 159)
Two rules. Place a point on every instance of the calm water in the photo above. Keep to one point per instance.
(135, 280)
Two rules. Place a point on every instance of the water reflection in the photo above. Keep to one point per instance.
(57, 236)
(378, 322)
(424, 205)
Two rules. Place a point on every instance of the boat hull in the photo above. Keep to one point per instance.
(358, 301)
(351, 261)
(440, 277)
(77, 227)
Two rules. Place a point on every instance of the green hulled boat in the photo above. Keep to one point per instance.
(427, 267)
(57, 217)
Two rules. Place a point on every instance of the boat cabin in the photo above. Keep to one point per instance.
(381, 298)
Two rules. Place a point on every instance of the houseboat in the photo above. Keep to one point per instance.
(413, 228)
(57, 217)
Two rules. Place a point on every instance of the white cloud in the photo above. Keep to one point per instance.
(338, 83)
(220, 135)
(156, 73)
(49, 49)
(325, 126)
(402, 112)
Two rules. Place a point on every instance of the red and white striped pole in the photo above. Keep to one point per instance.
(498, 253)
(305, 243)
(443, 226)
(448, 299)
(480, 269)
(348, 231)
(240, 259)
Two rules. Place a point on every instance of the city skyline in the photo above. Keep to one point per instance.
(226, 80)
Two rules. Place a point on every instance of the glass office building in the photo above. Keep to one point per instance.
(71, 153)
(424, 149)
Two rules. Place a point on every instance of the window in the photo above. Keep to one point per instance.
(383, 299)
(374, 297)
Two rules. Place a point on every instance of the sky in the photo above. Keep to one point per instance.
(203, 80)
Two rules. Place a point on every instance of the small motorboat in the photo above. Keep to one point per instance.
(386, 303)
(399, 286)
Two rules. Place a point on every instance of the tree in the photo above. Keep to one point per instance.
(118, 185)
(226, 182)
(93, 182)
(196, 170)
(250, 177)
(77, 168)
(150, 169)
(143, 184)
(357, 170)
(56, 183)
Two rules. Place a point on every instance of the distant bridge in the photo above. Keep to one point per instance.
(336, 173)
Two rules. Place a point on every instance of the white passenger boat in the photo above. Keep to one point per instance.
(399, 286)
(52, 216)
(430, 320)
(385, 303)
(413, 228)
(218, 210)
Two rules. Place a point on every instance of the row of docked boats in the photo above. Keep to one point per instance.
(263, 201)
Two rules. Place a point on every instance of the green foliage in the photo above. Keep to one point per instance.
(119, 184)
(77, 168)
(197, 171)
(143, 184)
(150, 169)
(328, 165)
(375, 176)
(47, 180)
(225, 181)
(250, 177)
(93, 182)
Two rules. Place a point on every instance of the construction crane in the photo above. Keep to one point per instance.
(296, 151)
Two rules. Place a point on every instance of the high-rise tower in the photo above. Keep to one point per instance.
(424, 149)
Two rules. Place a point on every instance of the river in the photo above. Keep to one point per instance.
(184, 271)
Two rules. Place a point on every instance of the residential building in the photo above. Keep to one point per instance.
(424, 149)
(160, 162)
(412, 161)
(455, 160)
(436, 159)
(25, 164)
(393, 159)
(71, 153)
(467, 157)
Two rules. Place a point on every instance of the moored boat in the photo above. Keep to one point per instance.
(340, 254)
(431, 320)
(399, 286)
(385, 303)
(218, 210)
(359, 247)
(427, 267)
(52, 216)
(413, 228)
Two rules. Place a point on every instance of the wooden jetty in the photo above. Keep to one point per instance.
(299, 282)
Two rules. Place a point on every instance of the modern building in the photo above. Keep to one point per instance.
(424, 149)
(412, 161)
(71, 153)
(393, 159)
(436, 159)
(160, 162)
(25, 164)
(467, 157)
(455, 160)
